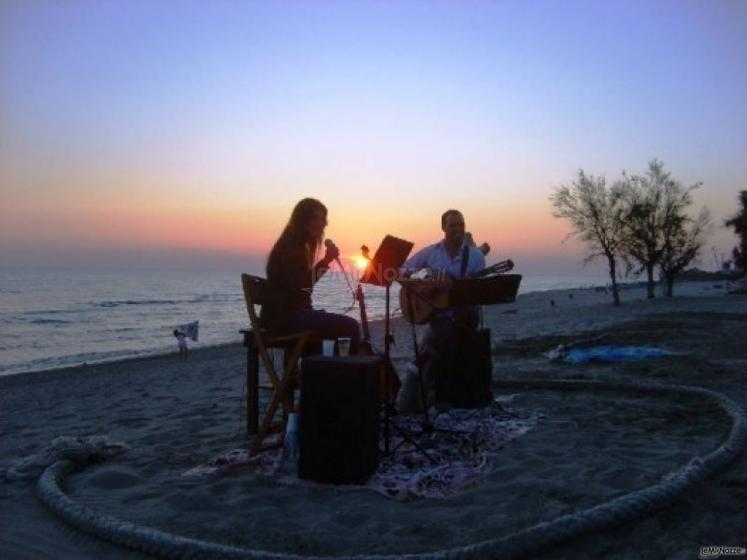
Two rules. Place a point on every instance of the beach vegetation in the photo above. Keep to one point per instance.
(659, 233)
(597, 214)
(739, 223)
(644, 222)
(683, 236)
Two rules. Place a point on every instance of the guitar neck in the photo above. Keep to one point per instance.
(497, 268)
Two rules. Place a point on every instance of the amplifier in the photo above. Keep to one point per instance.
(468, 381)
(339, 418)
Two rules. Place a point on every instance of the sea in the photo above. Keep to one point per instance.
(55, 318)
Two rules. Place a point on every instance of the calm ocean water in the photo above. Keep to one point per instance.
(57, 318)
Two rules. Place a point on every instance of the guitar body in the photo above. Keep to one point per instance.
(420, 299)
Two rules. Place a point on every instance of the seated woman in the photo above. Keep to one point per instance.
(291, 275)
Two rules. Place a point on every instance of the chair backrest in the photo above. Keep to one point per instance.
(254, 291)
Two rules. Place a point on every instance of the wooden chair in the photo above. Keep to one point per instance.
(281, 383)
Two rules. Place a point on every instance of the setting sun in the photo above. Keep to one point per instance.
(360, 262)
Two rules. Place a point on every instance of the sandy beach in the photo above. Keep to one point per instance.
(589, 447)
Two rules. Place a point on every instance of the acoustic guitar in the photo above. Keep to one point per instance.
(419, 299)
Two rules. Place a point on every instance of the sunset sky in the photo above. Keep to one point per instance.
(167, 128)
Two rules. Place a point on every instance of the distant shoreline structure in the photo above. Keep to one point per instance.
(698, 275)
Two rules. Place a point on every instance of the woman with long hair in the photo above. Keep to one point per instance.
(292, 273)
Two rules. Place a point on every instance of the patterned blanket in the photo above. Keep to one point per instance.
(463, 446)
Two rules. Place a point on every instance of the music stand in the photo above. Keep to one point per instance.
(382, 270)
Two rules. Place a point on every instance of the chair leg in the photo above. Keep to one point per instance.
(279, 397)
(289, 404)
(283, 394)
(259, 439)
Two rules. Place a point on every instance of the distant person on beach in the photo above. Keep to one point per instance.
(292, 273)
(457, 256)
(181, 342)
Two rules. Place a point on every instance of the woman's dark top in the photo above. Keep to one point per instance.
(290, 280)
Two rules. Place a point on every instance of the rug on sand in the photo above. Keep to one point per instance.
(463, 445)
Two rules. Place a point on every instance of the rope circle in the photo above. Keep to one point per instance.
(521, 543)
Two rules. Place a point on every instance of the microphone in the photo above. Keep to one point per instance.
(329, 243)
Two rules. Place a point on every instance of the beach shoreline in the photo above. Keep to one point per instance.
(632, 292)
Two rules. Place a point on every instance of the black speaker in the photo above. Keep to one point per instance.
(468, 381)
(339, 418)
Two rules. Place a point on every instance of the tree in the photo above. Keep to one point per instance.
(682, 235)
(645, 197)
(596, 214)
(739, 223)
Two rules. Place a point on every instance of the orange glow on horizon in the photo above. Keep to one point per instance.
(523, 228)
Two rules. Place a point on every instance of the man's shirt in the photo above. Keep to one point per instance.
(436, 258)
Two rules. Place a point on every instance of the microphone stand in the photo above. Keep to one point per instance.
(388, 405)
(329, 243)
(345, 274)
(406, 436)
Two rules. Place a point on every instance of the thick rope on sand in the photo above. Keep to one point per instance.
(521, 543)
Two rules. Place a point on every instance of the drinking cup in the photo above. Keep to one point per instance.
(343, 346)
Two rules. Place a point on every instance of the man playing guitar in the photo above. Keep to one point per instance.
(457, 257)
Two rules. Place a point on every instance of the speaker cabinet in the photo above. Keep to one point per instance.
(339, 418)
(468, 381)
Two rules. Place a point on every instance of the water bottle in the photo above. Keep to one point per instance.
(291, 446)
